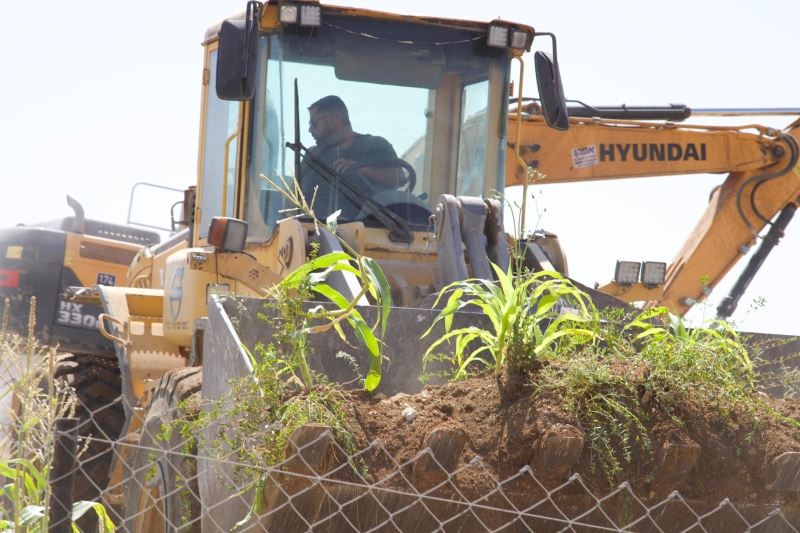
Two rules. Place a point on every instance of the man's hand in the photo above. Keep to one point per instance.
(343, 165)
(388, 176)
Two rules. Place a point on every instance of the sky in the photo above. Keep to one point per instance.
(98, 96)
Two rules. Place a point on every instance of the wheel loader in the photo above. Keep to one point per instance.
(39, 262)
(404, 78)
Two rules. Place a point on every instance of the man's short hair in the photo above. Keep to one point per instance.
(331, 104)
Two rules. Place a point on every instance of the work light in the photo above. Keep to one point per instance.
(498, 36)
(627, 272)
(310, 16)
(227, 234)
(289, 13)
(653, 273)
(520, 39)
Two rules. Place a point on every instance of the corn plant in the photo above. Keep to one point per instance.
(312, 277)
(528, 315)
(30, 438)
(28, 482)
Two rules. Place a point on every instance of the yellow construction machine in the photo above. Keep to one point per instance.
(434, 88)
(39, 262)
(402, 78)
(762, 188)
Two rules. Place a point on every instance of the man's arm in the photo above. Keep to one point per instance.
(389, 176)
(375, 159)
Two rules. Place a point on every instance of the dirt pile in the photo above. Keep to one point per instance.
(528, 443)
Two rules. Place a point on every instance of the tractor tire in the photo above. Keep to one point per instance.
(97, 385)
(161, 492)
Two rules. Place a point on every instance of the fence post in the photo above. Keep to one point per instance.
(62, 474)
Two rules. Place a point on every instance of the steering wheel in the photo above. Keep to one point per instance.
(412, 174)
(405, 165)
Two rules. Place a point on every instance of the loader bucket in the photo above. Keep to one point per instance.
(237, 322)
(233, 328)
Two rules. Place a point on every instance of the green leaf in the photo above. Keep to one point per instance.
(31, 514)
(104, 521)
(256, 508)
(378, 279)
(294, 279)
(373, 378)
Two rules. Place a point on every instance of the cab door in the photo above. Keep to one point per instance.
(220, 143)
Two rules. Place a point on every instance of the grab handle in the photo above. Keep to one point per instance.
(101, 325)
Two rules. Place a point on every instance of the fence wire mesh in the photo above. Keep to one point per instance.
(164, 480)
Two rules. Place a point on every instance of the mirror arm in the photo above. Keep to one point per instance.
(251, 24)
(521, 161)
(553, 39)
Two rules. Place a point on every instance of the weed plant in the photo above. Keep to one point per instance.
(254, 422)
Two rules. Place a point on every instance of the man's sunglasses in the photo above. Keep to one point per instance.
(314, 121)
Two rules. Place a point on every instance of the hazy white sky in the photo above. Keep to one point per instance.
(96, 96)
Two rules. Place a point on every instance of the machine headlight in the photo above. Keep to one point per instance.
(653, 273)
(310, 16)
(520, 39)
(498, 36)
(289, 14)
(627, 272)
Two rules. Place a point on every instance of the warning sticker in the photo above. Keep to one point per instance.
(584, 157)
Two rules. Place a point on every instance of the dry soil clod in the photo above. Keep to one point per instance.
(676, 456)
(446, 445)
(557, 451)
(785, 472)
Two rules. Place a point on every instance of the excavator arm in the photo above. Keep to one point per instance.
(762, 181)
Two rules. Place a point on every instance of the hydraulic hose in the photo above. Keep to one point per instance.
(794, 150)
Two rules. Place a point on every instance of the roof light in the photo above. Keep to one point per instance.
(627, 272)
(289, 14)
(653, 273)
(227, 234)
(310, 16)
(520, 39)
(498, 36)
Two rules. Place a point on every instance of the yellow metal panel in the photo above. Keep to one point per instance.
(622, 149)
(147, 305)
(87, 256)
(147, 352)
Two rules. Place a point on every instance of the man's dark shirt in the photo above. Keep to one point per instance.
(365, 150)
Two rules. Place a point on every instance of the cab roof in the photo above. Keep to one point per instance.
(470, 25)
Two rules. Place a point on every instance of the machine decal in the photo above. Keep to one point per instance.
(9, 279)
(285, 254)
(584, 157)
(175, 294)
(653, 152)
(106, 279)
(14, 252)
(72, 314)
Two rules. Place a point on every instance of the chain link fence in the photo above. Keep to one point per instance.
(170, 480)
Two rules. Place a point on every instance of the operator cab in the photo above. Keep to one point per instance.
(434, 90)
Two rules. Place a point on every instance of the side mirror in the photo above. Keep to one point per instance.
(237, 56)
(551, 93)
